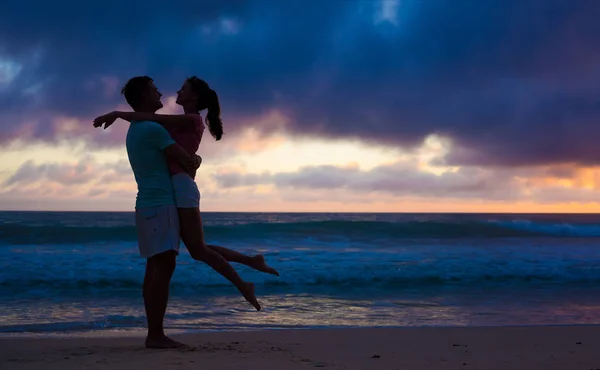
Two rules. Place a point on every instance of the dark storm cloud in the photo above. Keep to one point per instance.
(512, 82)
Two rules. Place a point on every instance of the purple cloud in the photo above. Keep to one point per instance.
(406, 180)
(511, 82)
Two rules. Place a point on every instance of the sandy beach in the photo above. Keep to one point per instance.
(489, 348)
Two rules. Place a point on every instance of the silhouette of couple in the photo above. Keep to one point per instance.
(161, 151)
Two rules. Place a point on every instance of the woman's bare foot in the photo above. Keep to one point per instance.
(163, 342)
(248, 293)
(258, 263)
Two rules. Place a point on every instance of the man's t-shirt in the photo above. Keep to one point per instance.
(145, 144)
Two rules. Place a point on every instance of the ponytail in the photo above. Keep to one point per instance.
(208, 99)
(213, 117)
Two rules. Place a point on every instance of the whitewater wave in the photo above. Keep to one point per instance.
(398, 281)
(357, 230)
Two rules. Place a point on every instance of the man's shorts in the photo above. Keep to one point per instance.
(186, 191)
(157, 229)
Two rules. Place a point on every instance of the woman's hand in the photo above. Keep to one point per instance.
(106, 120)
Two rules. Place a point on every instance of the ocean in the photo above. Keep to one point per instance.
(77, 272)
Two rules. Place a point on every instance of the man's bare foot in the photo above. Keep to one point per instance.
(248, 293)
(163, 342)
(258, 263)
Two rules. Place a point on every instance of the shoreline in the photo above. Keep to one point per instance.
(141, 332)
(556, 347)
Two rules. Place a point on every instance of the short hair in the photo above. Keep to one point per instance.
(134, 89)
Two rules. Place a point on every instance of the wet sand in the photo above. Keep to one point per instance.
(489, 348)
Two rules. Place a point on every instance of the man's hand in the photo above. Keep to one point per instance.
(192, 165)
(106, 120)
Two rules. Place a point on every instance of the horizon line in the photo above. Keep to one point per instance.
(322, 212)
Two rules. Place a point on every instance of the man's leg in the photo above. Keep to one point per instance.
(146, 290)
(159, 270)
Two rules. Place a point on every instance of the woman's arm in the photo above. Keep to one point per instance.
(168, 120)
(163, 119)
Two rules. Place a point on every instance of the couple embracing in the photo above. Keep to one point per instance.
(162, 154)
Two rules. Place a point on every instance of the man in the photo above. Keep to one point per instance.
(148, 145)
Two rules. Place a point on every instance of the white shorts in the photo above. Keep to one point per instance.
(157, 229)
(186, 191)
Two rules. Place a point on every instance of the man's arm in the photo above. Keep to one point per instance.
(189, 162)
(160, 138)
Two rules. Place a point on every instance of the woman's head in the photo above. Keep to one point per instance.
(195, 94)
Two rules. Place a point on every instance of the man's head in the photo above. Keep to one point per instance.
(142, 95)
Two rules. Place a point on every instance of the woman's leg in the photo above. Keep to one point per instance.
(192, 235)
(187, 195)
(256, 262)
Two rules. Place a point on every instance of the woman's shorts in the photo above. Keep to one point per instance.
(186, 191)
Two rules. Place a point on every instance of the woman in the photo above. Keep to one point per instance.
(186, 130)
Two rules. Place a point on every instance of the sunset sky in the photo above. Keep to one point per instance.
(328, 106)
